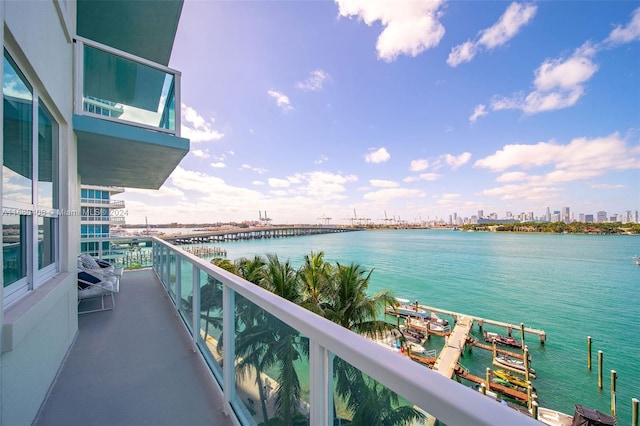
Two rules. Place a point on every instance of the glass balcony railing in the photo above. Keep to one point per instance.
(291, 363)
(117, 86)
(114, 204)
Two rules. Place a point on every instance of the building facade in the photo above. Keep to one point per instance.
(101, 219)
(67, 74)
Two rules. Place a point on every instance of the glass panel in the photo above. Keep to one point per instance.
(361, 400)
(17, 148)
(14, 248)
(186, 292)
(272, 367)
(124, 89)
(210, 339)
(171, 284)
(47, 159)
(46, 241)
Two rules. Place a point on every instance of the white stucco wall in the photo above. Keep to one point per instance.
(38, 330)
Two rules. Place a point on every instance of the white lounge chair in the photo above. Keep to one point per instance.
(90, 264)
(92, 286)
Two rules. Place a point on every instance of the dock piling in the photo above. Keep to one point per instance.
(634, 412)
(526, 363)
(589, 352)
(509, 328)
(614, 376)
(600, 370)
(483, 387)
(522, 333)
(534, 410)
(488, 377)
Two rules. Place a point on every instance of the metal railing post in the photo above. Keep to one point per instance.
(229, 345)
(195, 307)
(318, 384)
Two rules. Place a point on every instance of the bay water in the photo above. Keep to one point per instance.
(570, 286)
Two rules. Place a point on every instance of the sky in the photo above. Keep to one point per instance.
(322, 111)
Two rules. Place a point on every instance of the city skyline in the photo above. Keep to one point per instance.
(316, 109)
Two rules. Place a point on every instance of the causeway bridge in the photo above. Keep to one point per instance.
(239, 234)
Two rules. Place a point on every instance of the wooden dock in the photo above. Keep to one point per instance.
(501, 389)
(448, 359)
(474, 342)
(481, 321)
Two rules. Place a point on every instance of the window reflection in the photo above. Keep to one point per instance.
(47, 158)
(14, 248)
(46, 241)
(17, 130)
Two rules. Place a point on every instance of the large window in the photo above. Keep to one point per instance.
(30, 186)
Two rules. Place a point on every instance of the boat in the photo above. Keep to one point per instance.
(421, 324)
(553, 418)
(415, 348)
(510, 378)
(412, 335)
(636, 259)
(501, 340)
(405, 309)
(512, 364)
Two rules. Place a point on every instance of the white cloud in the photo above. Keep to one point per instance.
(457, 161)
(515, 17)
(388, 194)
(559, 83)
(325, 185)
(380, 183)
(253, 169)
(164, 192)
(409, 27)
(218, 165)
(512, 20)
(511, 177)
(257, 183)
(314, 82)
(196, 128)
(378, 156)
(462, 53)
(418, 165)
(557, 164)
(200, 153)
(478, 112)
(430, 176)
(278, 183)
(450, 196)
(281, 99)
(628, 33)
(607, 186)
(323, 158)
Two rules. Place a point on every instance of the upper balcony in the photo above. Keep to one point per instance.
(126, 108)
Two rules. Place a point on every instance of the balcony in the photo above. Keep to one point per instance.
(129, 365)
(134, 365)
(112, 204)
(125, 108)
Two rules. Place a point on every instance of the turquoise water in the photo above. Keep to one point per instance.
(571, 286)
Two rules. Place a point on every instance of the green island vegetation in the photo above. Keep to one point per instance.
(265, 344)
(607, 228)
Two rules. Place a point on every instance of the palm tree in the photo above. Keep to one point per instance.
(350, 306)
(315, 276)
(266, 342)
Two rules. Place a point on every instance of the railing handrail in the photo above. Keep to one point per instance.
(126, 55)
(443, 398)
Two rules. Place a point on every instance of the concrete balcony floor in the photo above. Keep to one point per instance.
(133, 365)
